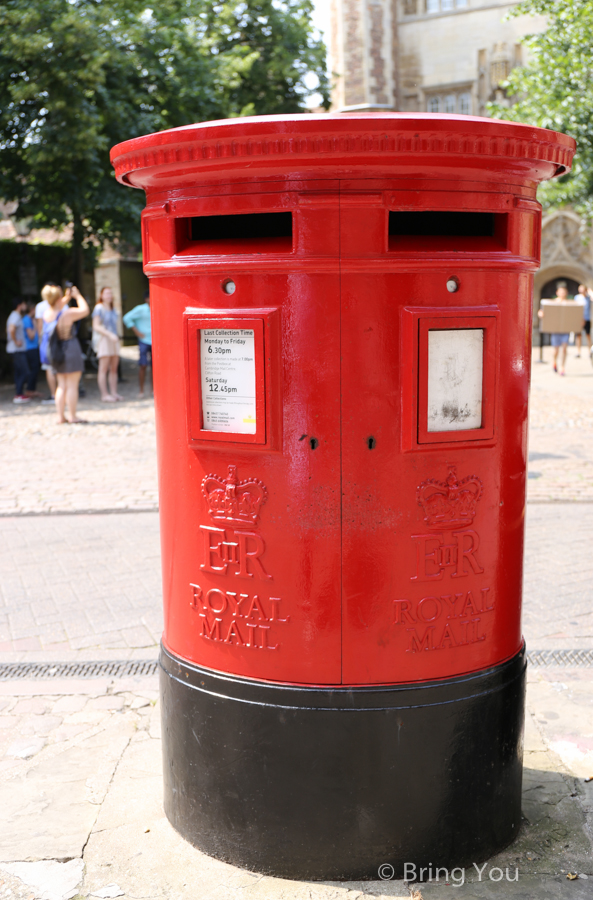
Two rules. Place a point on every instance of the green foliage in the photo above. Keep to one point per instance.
(264, 51)
(77, 76)
(555, 90)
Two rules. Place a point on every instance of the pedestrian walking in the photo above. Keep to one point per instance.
(559, 340)
(584, 296)
(105, 326)
(32, 350)
(61, 318)
(50, 375)
(138, 319)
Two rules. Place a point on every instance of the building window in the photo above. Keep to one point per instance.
(410, 7)
(499, 71)
(464, 104)
(452, 103)
(435, 6)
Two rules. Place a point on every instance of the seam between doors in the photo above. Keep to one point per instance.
(341, 437)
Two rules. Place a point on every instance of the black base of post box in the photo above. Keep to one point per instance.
(333, 783)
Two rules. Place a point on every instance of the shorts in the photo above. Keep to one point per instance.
(145, 353)
(48, 368)
(587, 327)
(558, 339)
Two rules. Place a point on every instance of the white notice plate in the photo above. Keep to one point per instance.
(455, 374)
(228, 380)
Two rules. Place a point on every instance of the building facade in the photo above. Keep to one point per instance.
(445, 56)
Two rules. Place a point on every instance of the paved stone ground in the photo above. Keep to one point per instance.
(80, 587)
(558, 585)
(109, 463)
(561, 430)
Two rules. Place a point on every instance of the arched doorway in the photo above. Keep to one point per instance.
(548, 291)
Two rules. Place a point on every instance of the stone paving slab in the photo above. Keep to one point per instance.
(561, 430)
(113, 822)
(558, 576)
(80, 587)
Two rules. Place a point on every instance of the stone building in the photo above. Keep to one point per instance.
(445, 56)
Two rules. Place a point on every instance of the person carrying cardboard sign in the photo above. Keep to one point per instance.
(559, 339)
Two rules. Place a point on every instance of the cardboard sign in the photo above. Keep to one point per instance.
(561, 317)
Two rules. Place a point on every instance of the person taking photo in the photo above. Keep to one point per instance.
(61, 317)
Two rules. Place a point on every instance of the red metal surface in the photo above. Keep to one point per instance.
(342, 543)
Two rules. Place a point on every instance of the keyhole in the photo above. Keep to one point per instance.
(314, 443)
(371, 443)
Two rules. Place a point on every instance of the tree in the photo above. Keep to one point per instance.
(78, 76)
(555, 90)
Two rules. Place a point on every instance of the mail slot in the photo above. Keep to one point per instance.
(341, 317)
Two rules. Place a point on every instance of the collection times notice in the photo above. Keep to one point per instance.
(228, 380)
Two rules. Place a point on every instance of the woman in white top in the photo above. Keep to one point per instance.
(105, 328)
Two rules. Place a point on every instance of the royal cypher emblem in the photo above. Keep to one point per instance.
(451, 503)
(234, 502)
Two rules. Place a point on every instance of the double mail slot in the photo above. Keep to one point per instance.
(274, 232)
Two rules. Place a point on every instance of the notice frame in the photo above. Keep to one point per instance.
(416, 324)
(197, 320)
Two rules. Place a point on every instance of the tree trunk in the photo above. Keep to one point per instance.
(77, 251)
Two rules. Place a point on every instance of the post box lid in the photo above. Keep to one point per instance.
(343, 145)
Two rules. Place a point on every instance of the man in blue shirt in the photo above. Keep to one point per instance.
(138, 319)
(15, 346)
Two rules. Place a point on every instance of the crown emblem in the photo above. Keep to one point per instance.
(234, 502)
(451, 503)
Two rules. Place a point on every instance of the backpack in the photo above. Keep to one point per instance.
(55, 347)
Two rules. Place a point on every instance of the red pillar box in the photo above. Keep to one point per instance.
(342, 323)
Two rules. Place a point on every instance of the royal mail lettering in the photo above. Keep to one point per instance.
(237, 619)
(445, 637)
(452, 606)
(444, 621)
